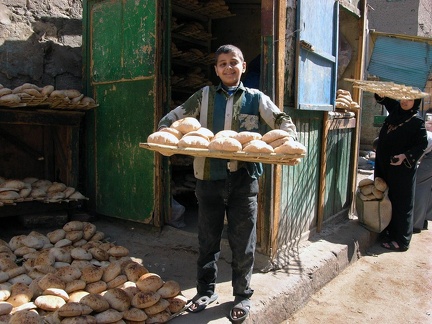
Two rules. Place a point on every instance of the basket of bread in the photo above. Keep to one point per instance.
(373, 206)
(186, 136)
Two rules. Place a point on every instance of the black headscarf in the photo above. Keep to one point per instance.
(398, 115)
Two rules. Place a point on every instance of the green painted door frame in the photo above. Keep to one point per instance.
(121, 71)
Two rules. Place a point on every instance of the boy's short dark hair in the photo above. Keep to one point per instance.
(225, 49)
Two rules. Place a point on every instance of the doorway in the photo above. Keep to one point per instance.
(195, 35)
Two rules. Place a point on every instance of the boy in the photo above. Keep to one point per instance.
(228, 187)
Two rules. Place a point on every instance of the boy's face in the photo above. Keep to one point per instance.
(229, 68)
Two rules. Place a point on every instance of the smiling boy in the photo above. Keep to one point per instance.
(225, 187)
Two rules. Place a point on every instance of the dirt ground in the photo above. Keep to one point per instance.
(381, 287)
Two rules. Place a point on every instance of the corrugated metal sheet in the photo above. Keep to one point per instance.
(401, 60)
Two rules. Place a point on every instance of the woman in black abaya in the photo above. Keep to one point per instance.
(402, 141)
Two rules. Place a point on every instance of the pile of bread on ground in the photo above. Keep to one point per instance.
(188, 133)
(29, 94)
(29, 189)
(74, 275)
(369, 189)
(344, 100)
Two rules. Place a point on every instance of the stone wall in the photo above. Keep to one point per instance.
(408, 17)
(40, 43)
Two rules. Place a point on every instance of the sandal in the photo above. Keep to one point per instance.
(199, 302)
(242, 306)
(394, 246)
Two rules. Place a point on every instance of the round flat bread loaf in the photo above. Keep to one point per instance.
(173, 131)
(99, 254)
(145, 299)
(68, 273)
(50, 280)
(75, 285)
(377, 193)
(280, 141)
(74, 309)
(160, 306)
(226, 133)
(5, 308)
(73, 226)
(130, 288)
(203, 132)
(366, 197)
(169, 289)
(89, 230)
(87, 319)
(258, 146)
(56, 292)
(225, 144)
(177, 303)
(186, 125)
(117, 299)
(80, 254)
(291, 147)
(49, 302)
(274, 134)
(246, 136)
(134, 315)
(365, 182)
(96, 287)
(76, 296)
(367, 190)
(193, 142)
(380, 184)
(162, 138)
(91, 273)
(134, 271)
(56, 235)
(161, 317)
(26, 316)
(149, 282)
(117, 281)
(111, 271)
(118, 251)
(108, 316)
(95, 302)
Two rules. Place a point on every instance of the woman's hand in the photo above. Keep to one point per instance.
(397, 159)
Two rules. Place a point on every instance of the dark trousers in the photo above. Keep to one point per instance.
(236, 197)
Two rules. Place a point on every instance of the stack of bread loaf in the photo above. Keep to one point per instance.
(188, 133)
(369, 189)
(344, 100)
(29, 189)
(29, 94)
(74, 275)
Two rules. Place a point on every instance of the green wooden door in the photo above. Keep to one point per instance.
(119, 43)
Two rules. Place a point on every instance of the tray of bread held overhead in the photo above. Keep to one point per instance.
(187, 137)
(389, 89)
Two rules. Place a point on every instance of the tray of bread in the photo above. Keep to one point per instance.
(187, 137)
(389, 89)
